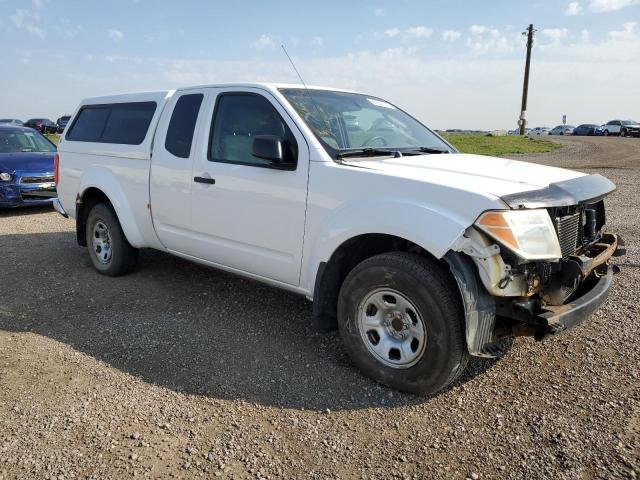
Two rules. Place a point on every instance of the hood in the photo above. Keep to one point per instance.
(27, 162)
(478, 173)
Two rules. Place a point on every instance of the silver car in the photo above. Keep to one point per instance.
(562, 130)
(539, 131)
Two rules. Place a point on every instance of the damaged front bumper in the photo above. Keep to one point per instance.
(588, 276)
(554, 319)
(488, 318)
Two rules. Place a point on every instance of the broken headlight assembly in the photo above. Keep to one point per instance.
(529, 234)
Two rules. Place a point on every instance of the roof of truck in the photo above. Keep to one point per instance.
(266, 85)
(128, 97)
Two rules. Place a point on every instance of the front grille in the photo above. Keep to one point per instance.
(39, 195)
(567, 228)
(40, 179)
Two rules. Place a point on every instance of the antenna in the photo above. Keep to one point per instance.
(294, 67)
(306, 89)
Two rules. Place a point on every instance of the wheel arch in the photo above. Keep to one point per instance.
(332, 272)
(85, 201)
(101, 187)
(354, 232)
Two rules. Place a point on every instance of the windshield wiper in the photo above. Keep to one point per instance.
(368, 152)
(395, 152)
(427, 150)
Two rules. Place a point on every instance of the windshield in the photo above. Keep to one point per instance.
(345, 122)
(14, 141)
(629, 122)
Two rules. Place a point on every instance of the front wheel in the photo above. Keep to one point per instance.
(402, 322)
(623, 133)
(606, 133)
(110, 252)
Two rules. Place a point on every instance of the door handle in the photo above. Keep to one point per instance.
(207, 180)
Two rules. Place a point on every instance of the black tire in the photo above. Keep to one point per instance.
(123, 257)
(437, 300)
(623, 132)
(606, 133)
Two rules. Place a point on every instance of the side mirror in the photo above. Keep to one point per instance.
(268, 147)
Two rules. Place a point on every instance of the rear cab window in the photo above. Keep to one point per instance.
(121, 123)
(182, 125)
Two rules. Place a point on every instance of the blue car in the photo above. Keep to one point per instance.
(586, 129)
(26, 167)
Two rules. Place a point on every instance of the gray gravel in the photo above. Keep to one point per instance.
(179, 370)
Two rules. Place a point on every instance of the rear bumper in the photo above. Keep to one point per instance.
(57, 206)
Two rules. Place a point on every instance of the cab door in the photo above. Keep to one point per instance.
(170, 179)
(248, 214)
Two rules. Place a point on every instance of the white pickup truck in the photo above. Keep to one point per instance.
(420, 255)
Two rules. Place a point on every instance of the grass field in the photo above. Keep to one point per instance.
(53, 137)
(486, 145)
(479, 144)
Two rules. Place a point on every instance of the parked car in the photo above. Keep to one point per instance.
(61, 123)
(600, 131)
(539, 131)
(26, 167)
(562, 130)
(516, 131)
(586, 129)
(419, 254)
(43, 125)
(630, 128)
(624, 128)
(11, 121)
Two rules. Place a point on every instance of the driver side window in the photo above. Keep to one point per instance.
(237, 119)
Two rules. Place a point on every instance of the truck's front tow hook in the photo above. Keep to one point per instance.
(621, 250)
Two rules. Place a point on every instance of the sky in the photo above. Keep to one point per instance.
(450, 63)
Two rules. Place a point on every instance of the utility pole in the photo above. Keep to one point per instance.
(525, 89)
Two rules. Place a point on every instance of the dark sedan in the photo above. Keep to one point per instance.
(26, 167)
(43, 125)
(62, 122)
(586, 129)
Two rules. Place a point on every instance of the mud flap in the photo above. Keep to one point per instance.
(479, 307)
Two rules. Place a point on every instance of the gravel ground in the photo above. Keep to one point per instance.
(182, 371)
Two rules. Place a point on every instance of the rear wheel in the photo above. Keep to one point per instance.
(623, 132)
(402, 322)
(110, 252)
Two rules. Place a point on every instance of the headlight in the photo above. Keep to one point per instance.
(5, 177)
(528, 233)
